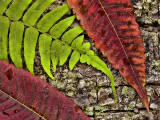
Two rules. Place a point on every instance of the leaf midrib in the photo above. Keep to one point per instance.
(23, 104)
(121, 45)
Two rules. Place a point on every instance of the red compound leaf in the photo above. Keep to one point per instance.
(111, 24)
(23, 96)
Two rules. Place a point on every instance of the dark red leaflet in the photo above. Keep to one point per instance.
(111, 24)
(24, 96)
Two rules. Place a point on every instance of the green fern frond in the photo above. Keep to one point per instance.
(56, 42)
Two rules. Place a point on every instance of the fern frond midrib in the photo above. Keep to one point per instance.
(73, 49)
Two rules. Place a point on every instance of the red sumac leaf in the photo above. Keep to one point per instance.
(24, 96)
(111, 24)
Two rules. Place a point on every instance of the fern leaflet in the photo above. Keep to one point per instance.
(4, 25)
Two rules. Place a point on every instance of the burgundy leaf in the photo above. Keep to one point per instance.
(24, 96)
(111, 24)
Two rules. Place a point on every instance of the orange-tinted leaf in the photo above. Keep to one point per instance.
(23, 96)
(111, 24)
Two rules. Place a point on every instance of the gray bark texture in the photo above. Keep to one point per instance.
(90, 89)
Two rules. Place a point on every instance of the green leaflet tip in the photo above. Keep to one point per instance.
(53, 78)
